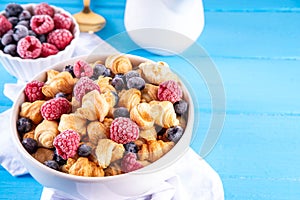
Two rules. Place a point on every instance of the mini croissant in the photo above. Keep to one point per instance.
(74, 122)
(154, 149)
(148, 134)
(142, 116)
(129, 98)
(163, 113)
(149, 93)
(108, 151)
(84, 167)
(118, 64)
(32, 111)
(45, 133)
(157, 73)
(61, 82)
(96, 131)
(104, 84)
(94, 106)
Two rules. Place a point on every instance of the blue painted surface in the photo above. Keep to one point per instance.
(255, 46)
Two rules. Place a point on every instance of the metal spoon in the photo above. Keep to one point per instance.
(88, 20)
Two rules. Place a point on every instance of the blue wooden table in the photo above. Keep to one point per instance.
(255, 46)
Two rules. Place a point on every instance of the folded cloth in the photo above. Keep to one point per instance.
(193, 178)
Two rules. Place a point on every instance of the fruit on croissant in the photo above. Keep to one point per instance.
(118, 64)
(154, 149)
(45, 133)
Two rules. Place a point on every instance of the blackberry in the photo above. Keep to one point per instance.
(118, 83)
(30, 145)
(69, 68)
(13, 20)
(121, 112)
(84, 150)
(131, 74)
(52, 164)
(100, 70)
(20, 32)
(11, 49)
(13, 9)
(174, 133)
(57, 158)
(180, 107)
(136, 82)
(131, 147)
(24, 125)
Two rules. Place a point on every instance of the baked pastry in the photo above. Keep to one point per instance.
(148, 134)
(108, 151)
(32, 111)
(43, 154)
(96, 131)
(83, 167)
(112, 99)
(154, 149)
(113, 169)
(118, 64)
(104, 84)
(94, 106)
(149, 93)
(157, 73)
(61, 82)
(129, 98)
(74, 122)
(45, 133)
(163, 113)
(141, 114)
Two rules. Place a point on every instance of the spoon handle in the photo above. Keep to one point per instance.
(86, 4)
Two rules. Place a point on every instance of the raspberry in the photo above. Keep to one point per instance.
(29, 47)
(60, 38)
(83, 86)
(123, 130)
(41, 24)
(48, 50)
(129, 163)
(5, 25)
(67, 143)
(43, 9)
(33, 91)
(169, 91)
(54, 108)
(82, 68)
(62, 21)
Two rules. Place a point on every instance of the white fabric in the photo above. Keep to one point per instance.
(193, 177)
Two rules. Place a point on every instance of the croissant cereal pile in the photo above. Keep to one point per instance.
(103, 118)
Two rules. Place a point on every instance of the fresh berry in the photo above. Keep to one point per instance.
(129, 163)
(83, 86)
(84, 150)
(33, 91)
(121, 112)
(66, 143)
(130, 74)
(60, 38)
(123, 130)
(82, 68)
(29, 47)
(41, 24)
(25, 23)
(61, 94)
(52, 164)
(118, 83)
(25, 15)
(180, 107)
(54, 108)
(32, 33)
(43, 9)
(20, 32)
(116, 98)
(169, 91)
(131, 147)
(30, 145)
(174, 133)
(13, 20)
(42, 38)
(100, 70)
(58, 158)
(62, 21)
(69, 68)
(11, 49)
(13, 9)
(48, 50)
(136, 82)
(5, 25)
(24, 125)
(7, 38)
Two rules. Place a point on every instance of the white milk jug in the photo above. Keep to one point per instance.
(164, 27)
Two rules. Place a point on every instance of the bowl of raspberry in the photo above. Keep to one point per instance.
(34, 36)
(103, 125)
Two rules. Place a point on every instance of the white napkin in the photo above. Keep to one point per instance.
(193, 177)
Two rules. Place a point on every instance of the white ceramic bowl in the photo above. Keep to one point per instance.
(26, 69)
(125, 185)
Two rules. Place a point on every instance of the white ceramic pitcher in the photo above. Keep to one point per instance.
(164, 26)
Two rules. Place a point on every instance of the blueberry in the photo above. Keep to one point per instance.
(57, 158)
(24, 125)
(25, 15)
(131, 147)
(180, 107)
(131, 74)
(25, 23)
(121, 112)
(174, 133)
(61, 94)
(7, 39)
(31, 33)
(84, 150)
(42, 38)
(116, 96)
(52, 164)
(100, 70)
(13, 9)
(136, 82)
(1, 45)
(20, 32)
(118, 83)
(30, 145)
(11, 49)
(69, 68)
(13, 20)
